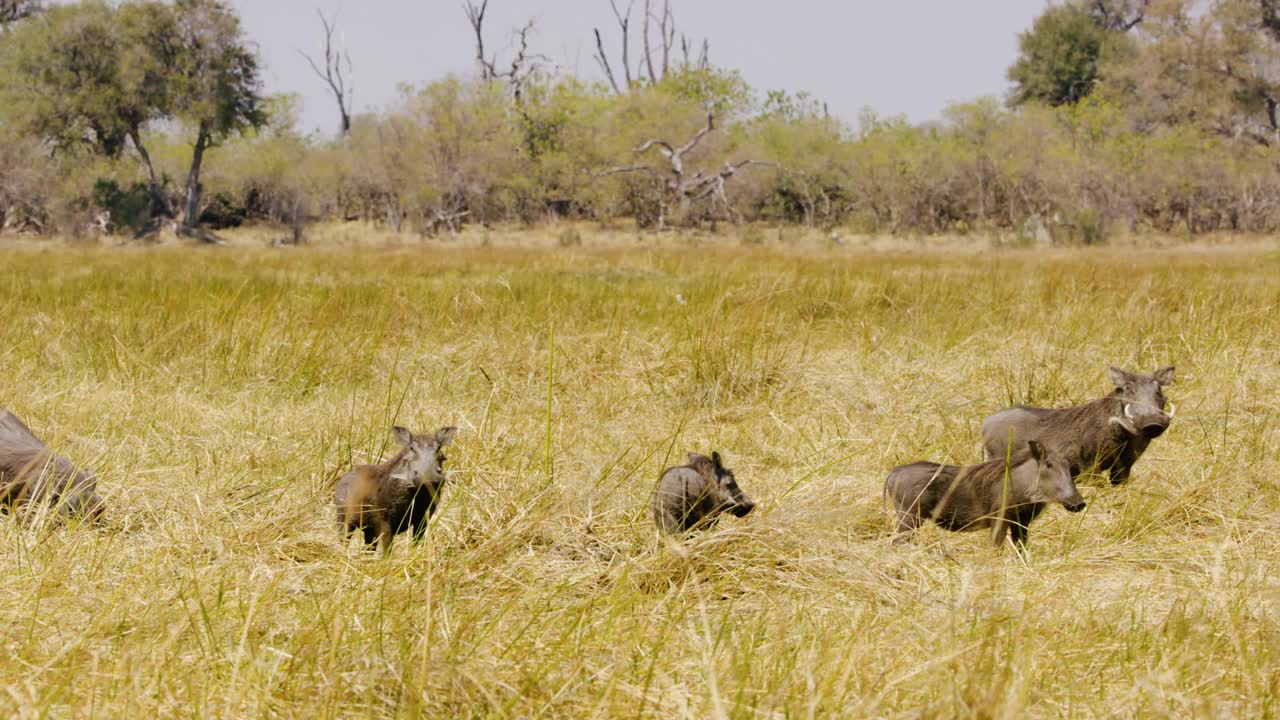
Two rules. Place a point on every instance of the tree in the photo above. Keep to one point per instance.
(1059, 57)
(680, 184)
(524, 64)
(336, 73)
(11, 11)
(214, 85)
(656, 61)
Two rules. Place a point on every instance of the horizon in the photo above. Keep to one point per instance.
(393, 43)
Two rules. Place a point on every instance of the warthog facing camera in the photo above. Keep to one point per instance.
(398, 495)
(1110, 433)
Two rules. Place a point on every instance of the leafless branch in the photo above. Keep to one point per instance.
(624, 24)
(648, 48)
(475, 16)
(603, 59)
(336, 73)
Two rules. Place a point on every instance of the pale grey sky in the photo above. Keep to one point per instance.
(909, 57)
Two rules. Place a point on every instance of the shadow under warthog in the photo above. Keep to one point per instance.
(32, 473)
(1110, 433)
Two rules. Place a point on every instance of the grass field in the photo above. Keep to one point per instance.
(217, 393)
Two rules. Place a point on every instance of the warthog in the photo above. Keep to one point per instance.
(398, 495)
(982, 495)
(1109, 433)
(31, 472)
(694, 495)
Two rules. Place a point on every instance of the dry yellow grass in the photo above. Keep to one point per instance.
(217, 391)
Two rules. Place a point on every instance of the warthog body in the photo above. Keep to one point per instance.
(694, 495)
(31, 472)
(1110, 433)
(978, 496)
(398, 495)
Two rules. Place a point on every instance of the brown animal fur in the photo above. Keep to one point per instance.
(694, 495)
(970, 497)
(30, 472)
(1097, 436)
(397, 495)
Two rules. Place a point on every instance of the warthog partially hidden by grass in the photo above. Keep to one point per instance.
(1109, 433)
(398, 495)
(982, 495)
(31, 472)
(694, 495)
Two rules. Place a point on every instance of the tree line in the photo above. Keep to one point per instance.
(1123, 115)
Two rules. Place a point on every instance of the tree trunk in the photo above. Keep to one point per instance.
(191, 216)
(156, 202)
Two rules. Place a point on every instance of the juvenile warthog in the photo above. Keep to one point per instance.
(31, 472)
(1109, 433)
(982, 495)
(398, 495)
(694, 495)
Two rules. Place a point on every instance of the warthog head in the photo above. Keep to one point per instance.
(1144, 403)
(423, 459)
(1053, 478)
(724, 490)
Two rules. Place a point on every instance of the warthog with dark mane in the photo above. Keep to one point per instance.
(1109, 433)
(30, 472)
(694, 495)
(990, 494)
(397, 495)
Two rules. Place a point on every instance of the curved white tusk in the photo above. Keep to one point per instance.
(1128, 411)
(1173, 410)
(1124, 423)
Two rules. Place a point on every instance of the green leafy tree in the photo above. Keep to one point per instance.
(1060, 57)
(213, 85)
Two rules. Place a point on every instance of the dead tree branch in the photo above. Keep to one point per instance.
(336, 73)
(475, 16)
(523, 63)
(603, 59)
(678, 184)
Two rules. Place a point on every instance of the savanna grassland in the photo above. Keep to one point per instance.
(218, 392)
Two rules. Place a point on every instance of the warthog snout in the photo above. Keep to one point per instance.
(1076, 507)
(741, 509)
(1154, 430)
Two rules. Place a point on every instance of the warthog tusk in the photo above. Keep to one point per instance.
(1128, 411)
(1173, 410)
(1124, 423)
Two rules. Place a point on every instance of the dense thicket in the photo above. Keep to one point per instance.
(1123, 115)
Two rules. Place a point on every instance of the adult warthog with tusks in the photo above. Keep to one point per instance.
(1110, 433)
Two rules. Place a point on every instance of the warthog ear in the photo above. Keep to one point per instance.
(402, 436)
(1119, 377)
(716, 461)
(445, 435)
(696, 459)
(1164, 376)
(1037, 450)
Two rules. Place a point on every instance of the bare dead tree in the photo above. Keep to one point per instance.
(475, 16)
(524, 64)
(654, 57)
(679, 184)
(336, 73)
(603, 58)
